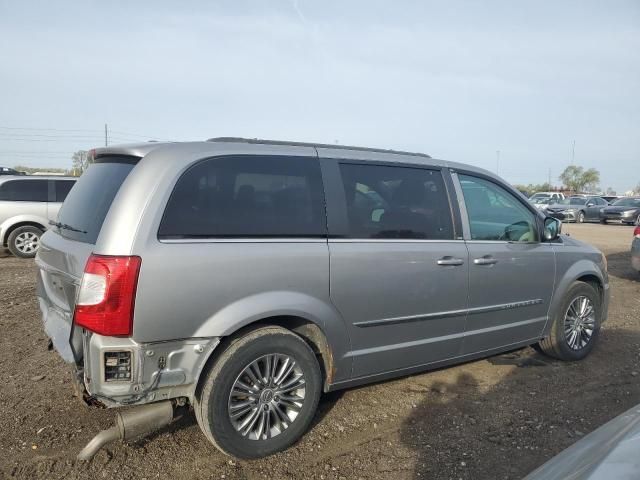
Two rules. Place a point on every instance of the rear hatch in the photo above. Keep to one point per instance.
(65, 248)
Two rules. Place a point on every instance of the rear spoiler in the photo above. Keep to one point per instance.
(134, 150)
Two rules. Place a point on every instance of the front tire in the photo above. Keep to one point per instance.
(260, 395)
(24, 241)
(576, 324)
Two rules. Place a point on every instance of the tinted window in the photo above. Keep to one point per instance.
(25, 191)
(88, 202)
(247, 196)
(62, 188)
(396, 202)
(496, 214)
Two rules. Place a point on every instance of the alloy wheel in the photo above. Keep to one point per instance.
(266, 397)
(27, 242)
(579, 323)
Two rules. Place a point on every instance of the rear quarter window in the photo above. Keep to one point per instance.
(247, 196)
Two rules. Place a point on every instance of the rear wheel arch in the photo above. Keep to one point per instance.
(306, 329)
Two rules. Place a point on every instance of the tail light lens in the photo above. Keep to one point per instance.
(107, 295)
(636, 232)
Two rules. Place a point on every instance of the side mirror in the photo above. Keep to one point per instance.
(590, 204)
(552, 228)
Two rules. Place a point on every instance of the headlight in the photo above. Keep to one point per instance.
(604, 262)
(628, 213)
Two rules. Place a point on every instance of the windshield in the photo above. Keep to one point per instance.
(573, 201)
(88, 202)
(627, 202)
(541, 200)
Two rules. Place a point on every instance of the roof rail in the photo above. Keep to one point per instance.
(258, 141)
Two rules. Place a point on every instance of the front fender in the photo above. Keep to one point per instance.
(266, 305)
(566, 277)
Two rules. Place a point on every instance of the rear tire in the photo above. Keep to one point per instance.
(603, 221)
(244, 378)
(580, 217)
(567, 343)
(24, 241)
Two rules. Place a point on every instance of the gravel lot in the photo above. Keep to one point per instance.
(490, 419)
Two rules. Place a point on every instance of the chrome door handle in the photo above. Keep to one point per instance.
(485, 261)
(449, 261)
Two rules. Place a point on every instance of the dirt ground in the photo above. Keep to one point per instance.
(491, 419)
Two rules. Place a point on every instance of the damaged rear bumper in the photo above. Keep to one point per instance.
(156, 371)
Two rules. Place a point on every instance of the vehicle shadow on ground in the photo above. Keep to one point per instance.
(619, 265)
(541, 407)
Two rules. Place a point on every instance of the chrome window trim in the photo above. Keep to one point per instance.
(242, 240)
(391, 240)
(511, 242)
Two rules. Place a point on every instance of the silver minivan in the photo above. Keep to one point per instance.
(27, 205)
(243, 278)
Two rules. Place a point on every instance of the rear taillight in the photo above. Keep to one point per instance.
(636, 232)
(107, 295)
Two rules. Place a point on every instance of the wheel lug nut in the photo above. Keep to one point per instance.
(265, 407)
(276, 398)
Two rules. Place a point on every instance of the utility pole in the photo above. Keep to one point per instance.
(497, 161)
(106, 136)
(573, 152)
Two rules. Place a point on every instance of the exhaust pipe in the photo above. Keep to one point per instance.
(132, 424)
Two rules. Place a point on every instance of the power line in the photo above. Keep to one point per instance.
(68, 133)
(45, 135)
(49, 129)
(47, 152)
(40, 139)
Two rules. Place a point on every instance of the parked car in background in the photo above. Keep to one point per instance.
(610, 198)
(578, 209)
(635, 249)
(27, 205)
(612, 452)
(625, 210)
(245, 277)
(541, 199)
(10, 171)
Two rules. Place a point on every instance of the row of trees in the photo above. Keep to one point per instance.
(576, 179)
(80, 161)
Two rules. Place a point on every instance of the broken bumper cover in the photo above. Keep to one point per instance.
(157, 371)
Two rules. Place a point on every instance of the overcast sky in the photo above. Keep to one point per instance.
(457, 80)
